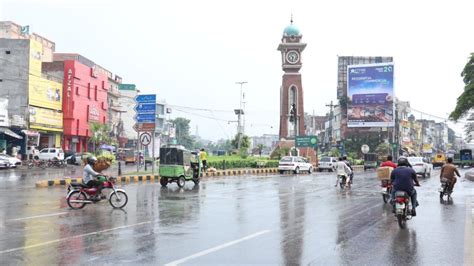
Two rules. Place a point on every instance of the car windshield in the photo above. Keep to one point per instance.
(415, 160)
(325, 159)
(286, 159)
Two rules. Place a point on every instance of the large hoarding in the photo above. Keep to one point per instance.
(371, 96)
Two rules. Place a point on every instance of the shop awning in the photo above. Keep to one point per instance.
(10, 133)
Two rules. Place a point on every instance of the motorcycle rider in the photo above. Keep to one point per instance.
(402, 179)
(389, 163)
(342, 169)
(344, 158)
(90, 176)
(449, 171)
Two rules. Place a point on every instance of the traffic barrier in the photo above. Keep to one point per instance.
(154, 178)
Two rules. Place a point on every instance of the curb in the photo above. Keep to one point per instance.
(154, 178)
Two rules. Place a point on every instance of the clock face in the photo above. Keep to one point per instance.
(292, 57)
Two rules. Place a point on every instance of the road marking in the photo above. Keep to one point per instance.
(72, 237)
(216, 248)
(38, 216)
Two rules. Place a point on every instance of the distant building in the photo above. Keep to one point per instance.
(127, 102)
(269, 141)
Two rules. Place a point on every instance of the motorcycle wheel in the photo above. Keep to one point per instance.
(43, 165)
(385, 198)
(341, 184)
(76, 195)
(117, 203)
(401, 221)
(196, 181)
(441, 194)
(30, 165)
(163, 181)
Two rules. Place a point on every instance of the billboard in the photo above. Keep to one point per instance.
(46, 119)
(45, 93)
(36, 50)
(371, 97)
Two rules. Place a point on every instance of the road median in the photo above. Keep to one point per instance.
(148, 178)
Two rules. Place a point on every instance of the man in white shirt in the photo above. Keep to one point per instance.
(342, 169)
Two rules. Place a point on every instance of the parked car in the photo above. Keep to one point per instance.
(14, 162)
(47, 154)
(4, 163)
(327, 163)
(421, 165)
(296, 164)
(75, 159)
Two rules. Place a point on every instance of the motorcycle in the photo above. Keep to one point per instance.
(57, 163)
(342, 181)
(403, 208)
(445, 190)
(80, 194)
(37, 163)
(386, 190)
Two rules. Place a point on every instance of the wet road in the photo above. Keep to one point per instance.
(236, 220)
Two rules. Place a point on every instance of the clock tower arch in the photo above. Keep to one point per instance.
(291, 91)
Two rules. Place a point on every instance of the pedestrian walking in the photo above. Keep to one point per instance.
(203, 158)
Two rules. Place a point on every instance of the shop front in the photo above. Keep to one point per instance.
(48, 125)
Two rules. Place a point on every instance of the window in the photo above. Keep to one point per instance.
(95, 93)
(7, 52)
(88, 90)
(77, 90)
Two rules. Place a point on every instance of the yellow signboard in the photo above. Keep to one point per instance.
(36, 50)
(46, 119)
(45, 93)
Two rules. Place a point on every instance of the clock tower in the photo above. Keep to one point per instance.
(291, 91)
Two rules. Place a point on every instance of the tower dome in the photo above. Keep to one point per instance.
(291, 30)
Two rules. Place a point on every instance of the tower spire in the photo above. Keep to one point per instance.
(291, 20)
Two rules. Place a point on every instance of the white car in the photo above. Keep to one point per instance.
(294, 163)
(14, 162)
(4, 163)
(421, 166)
(51, 154)
(327, 163)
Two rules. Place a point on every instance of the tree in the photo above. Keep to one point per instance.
(465, 101)
(245, 142)
(183, 135)
(383, 149)
(100, 134)
(260, 148)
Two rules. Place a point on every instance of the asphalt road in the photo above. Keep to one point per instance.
(285, 219)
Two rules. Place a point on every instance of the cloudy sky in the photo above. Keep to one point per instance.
(191, 53)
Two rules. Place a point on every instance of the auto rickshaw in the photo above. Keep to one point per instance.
(129, 156)
(179, 165)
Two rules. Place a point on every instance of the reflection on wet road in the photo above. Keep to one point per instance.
(235, 220)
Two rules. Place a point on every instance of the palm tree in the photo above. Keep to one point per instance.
(100, 134)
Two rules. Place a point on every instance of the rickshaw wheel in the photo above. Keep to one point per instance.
(164, 181)
(181, 181)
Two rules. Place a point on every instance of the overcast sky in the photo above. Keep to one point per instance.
(191, 53)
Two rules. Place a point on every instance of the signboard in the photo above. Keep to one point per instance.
(94, 114)
(145, 139)
(365, 148)
(144, 127)
(371, 96)
(127, 87)
(36, 49)
(46, 119)
(45, 93)
(306, 141)
(4, 121)
(146, 111)
(145, 108)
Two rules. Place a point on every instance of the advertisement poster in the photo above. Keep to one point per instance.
(371, 97)
(46, 119)
(4, 122)
(45, 93)
(36, 50)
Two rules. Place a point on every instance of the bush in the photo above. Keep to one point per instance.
(236, 162)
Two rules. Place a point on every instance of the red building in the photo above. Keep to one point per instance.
(84, 98)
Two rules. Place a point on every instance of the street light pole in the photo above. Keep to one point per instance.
(240, 130)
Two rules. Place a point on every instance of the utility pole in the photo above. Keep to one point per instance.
(239, 113)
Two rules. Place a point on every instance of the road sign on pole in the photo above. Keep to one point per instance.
(145, 138)
(306, 141)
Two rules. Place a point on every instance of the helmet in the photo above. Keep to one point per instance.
(403, 161)
(91, 160)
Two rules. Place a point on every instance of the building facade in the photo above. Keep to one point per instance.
(127, 102)
(84, 98)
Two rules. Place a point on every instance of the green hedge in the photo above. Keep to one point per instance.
(232, 163)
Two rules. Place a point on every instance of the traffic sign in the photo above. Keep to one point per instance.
(365, 148)
(306, 141)
(145, 118)
(127, 87)
(146, 98)
(145, 138)
(145, 108)
(144, 127)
